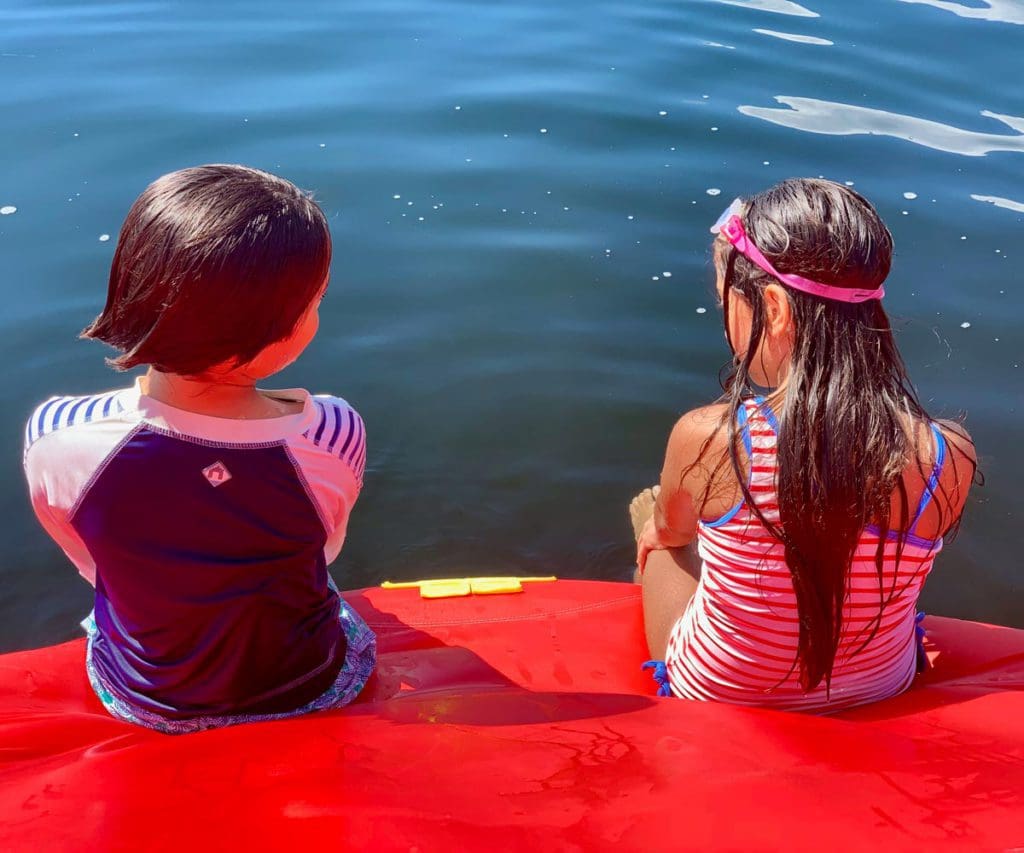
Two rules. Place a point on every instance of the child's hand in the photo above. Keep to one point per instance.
(648, 541)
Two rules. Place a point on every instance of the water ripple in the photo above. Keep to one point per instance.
(782, 7)
(794, 37)
(1007, 203)
(1005, 11)
(838, 119)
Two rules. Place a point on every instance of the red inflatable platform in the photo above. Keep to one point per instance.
(523, 722)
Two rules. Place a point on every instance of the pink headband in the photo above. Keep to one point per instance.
(731, 227)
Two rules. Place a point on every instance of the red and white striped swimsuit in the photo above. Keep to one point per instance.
(737, 640)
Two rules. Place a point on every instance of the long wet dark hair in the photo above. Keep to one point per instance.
(848, 417)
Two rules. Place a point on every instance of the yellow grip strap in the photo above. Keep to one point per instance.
(457, 587)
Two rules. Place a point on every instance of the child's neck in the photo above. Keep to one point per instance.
(233, 395)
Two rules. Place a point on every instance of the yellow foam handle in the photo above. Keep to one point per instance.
(457, 587)
(495, 586)
(448, 588)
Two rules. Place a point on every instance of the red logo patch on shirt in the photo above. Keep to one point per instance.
(217, 474)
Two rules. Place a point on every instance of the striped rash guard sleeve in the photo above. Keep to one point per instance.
(67, 439)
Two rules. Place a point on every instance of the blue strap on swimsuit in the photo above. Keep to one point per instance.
(744, 427)
(933, 480)
(769, 415)
(929, 492)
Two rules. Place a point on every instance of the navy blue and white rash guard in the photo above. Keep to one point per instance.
(207, 540)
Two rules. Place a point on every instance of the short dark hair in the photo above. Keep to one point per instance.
(213, 264)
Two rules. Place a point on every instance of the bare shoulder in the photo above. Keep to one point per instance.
(697, 481)
(959, 473)
(696, 433)
(959, 440)
(957, 470)
(700, 423)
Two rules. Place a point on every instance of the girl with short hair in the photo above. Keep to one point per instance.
(204, 509)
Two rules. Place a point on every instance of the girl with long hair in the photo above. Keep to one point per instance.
(817, 488)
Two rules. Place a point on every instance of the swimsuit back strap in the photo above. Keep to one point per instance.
(743, 424)
(769, 415)
(933, 480)
(743, 427)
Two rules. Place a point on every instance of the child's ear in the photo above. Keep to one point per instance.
(777, 311)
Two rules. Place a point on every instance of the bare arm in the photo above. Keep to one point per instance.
(695, 442)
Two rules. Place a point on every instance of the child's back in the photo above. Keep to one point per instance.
(819, 511)
(204, 510)
(739, 638)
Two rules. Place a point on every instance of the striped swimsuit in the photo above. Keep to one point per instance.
(737, 639)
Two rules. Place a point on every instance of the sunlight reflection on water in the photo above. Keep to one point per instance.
(1005, 11)
(781, 7)
(836, 119)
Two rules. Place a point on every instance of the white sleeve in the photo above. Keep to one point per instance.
(331, 459)
(64, 449)
(54, 519)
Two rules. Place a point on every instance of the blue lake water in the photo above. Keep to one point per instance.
(520, 194)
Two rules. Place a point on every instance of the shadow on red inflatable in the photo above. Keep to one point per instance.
(524, 722)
